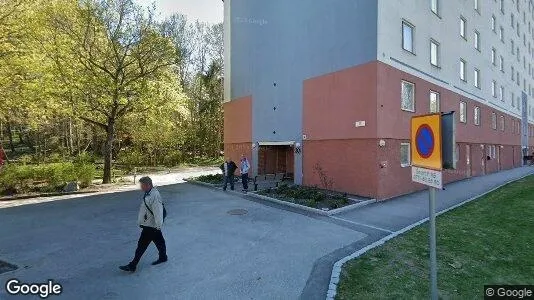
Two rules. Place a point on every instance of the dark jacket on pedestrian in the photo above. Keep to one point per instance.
(228, 168)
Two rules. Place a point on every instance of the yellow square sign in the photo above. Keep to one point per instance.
(426, 141)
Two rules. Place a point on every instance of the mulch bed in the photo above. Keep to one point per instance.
(6, 267)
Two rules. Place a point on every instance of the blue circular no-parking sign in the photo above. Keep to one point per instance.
(424, 138)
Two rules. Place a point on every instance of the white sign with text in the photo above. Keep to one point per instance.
(427, 177)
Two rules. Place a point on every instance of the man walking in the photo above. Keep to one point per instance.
(228, 168)
(243, 169)
(151, 216)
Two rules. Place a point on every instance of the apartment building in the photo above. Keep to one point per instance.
(327, 88)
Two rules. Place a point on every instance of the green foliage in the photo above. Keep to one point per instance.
(85, 174)
(211, 178)
(172, 158)
(43, 178)
(131, 158)
(99, 76)
(308, 196)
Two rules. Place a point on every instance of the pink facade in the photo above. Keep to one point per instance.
(352, 156)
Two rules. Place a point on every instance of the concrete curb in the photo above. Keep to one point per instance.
(293, 205)
(336, 269)
(42, 195)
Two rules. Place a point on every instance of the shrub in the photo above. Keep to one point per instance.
(211, 178)
(130, 158)
(43, 178)
(84, 158)
(172, 158)
(85, 174)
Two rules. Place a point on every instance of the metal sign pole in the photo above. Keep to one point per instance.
(432, 233)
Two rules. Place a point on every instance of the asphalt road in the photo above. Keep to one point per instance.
(268, 253)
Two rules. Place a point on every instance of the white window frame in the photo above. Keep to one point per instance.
(463, 112)
(463, 67)
(412, 33)
(412, 109)
(476, 116)
(409, 162)
(434, 7)
(476, 40)
(503, 123)
(501, 93)
(476, 79)
(494, 121)
(494, 89)
(434, 96)
(463, 27)
(434, 57)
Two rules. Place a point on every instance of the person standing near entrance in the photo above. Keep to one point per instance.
(151, 216)
(228, 168)
(243, 169)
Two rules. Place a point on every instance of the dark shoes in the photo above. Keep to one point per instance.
(159, 261)
(128, 268)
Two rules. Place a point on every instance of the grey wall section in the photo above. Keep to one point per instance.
(277, 44)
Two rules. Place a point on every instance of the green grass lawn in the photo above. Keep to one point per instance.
(488, 241)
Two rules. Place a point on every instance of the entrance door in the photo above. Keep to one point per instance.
(275, 159)
(468, 159)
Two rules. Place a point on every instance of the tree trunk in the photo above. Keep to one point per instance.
(108, 151)
(10, 136)
(70, 139)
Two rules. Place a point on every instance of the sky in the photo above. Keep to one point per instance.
(204, 10)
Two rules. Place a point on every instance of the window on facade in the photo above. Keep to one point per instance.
(477, 40)
(434, 53)
(494, 120)
(501, 93)
(513, 46)
(477, 5)
(501, 6)
(476, 115)
(493, 23)
(493, 88)
(462, 70)
(434, 102)
(477, 78)
(407, 96)
(501, 34)
(407, 36)
(493, 56)
(501, 63)
(513, 100)
(434, 6)
(463, 24)
(463, 112)
(405, 154)
(502, 123)
(512, 20)
(493, 151)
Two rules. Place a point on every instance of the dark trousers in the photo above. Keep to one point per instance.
(148, 235)
(244, 180)
(229, 179)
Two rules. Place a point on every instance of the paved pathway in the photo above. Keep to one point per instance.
(272, 252)
(380, 219)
